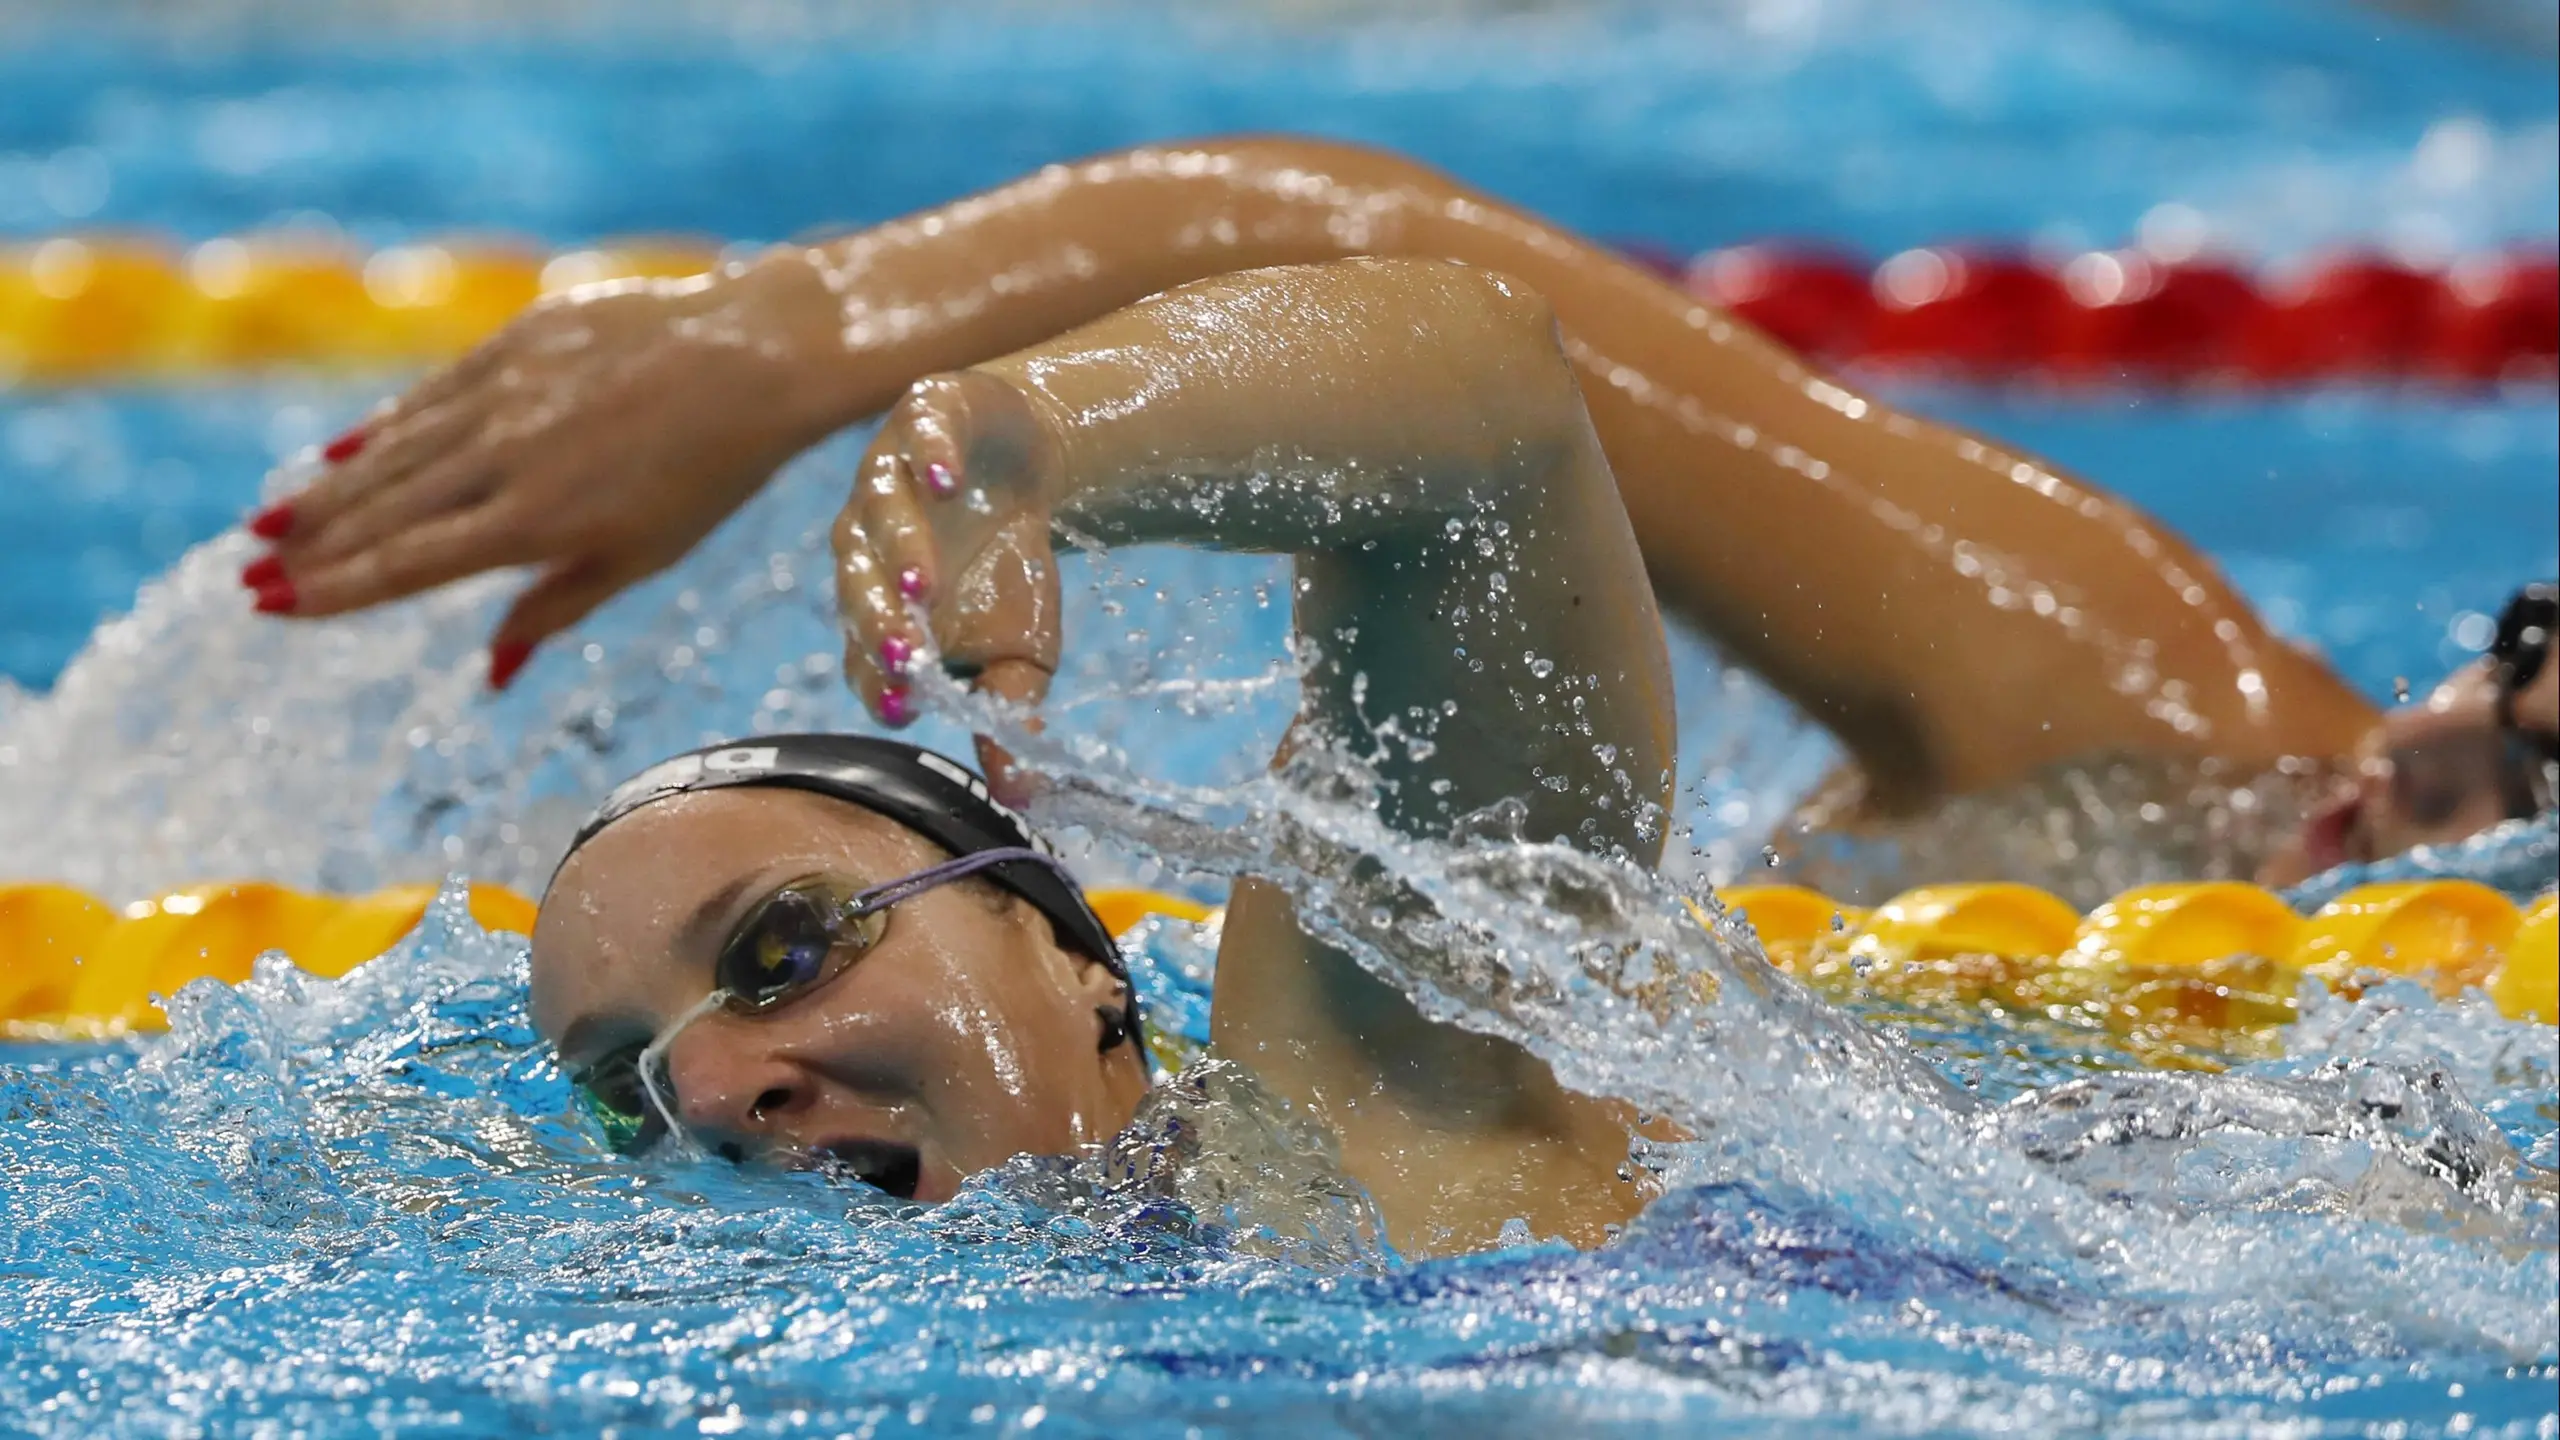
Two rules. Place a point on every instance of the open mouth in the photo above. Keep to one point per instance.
(884, 1165)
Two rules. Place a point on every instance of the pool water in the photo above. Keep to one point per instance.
(370, 1206)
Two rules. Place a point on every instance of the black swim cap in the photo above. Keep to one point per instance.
(936, 797)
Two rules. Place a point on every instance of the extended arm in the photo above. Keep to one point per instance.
(1960, 615)
(1409, 432)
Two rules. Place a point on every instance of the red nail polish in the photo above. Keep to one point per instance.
(896, 653)
(505, 659)
(262, 572)
(273, 523)
(276, 599)
(896, 706)
(911, 583)
(938, 475)
(345, 448)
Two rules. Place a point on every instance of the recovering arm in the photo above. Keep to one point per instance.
(1409, 432)
(1958, 614)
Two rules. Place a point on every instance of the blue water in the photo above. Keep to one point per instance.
(370, 1207)
(2285, 127)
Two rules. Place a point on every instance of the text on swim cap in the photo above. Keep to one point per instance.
(684, 770)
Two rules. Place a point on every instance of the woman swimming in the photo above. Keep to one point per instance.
(846, 949)
(1904, 584)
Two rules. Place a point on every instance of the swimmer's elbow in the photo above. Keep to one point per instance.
(1533, 388)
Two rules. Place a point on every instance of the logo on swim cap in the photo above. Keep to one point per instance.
(684, 770)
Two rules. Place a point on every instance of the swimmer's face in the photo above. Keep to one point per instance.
(962, 1035)
(2433, 772)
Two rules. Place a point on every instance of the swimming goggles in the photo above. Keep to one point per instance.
(803, 934)
(2530, 774)
(2522, 643)
(2433, 778)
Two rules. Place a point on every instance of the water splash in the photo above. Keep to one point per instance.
(378, 1188)
(2518, 857)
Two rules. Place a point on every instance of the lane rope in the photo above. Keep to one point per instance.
(111, 308)
(2173, 968)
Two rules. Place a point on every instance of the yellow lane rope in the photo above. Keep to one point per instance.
(89, 308)
(2214, 956)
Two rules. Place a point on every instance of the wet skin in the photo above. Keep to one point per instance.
(966, 1033)
(1883, 572)
(1463, 565)
(2425, 774)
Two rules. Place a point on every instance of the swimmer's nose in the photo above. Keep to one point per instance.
(732, 1095)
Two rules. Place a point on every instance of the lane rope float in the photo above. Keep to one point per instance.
(2215, 956)
(93, 308)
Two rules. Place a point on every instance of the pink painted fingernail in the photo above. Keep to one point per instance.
(345, 448)
(911, 583)
(938, 476)
(896, 653)
(262, 572)
(277, 599)
(897, 707)
(273, 523)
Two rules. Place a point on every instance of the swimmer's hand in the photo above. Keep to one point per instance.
(950, 515)
(597, 437)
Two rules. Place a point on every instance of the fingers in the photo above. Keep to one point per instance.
(948, 511)
(458, 484)
(431, 553)
(879, 645)
(892, 516)
(386, 444)
(563, 596)
(394, 447)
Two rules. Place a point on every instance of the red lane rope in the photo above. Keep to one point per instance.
(1988, 312)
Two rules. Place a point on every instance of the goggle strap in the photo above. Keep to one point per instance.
(881, 897)
(653, 1058)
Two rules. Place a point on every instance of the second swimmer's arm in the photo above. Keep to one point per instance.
(1959, 614)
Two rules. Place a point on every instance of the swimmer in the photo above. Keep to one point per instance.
(1969, 622)
(838, 949)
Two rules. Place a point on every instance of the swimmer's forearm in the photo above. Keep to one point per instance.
(1960, 615)
(950, 287)
(1409, 430)
(1307, 409)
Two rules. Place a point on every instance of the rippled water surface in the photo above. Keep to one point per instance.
(371, 1205)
